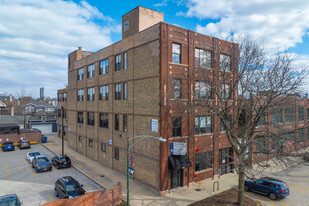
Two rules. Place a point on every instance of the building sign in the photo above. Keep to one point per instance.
(110, 141)
(178, 148)
(154, 125)
(131, 163)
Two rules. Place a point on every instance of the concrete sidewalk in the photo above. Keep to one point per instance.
(140, 194)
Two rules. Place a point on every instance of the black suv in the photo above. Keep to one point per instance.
(61, 161)
(68, 187)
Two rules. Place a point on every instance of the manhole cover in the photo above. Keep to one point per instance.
(102, 176)
(198, 190)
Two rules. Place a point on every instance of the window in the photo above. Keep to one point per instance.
(261, 145)
(176, 88)
(59, 97)
(290, 135)
(103, 93)
(90, 73)
(64, 115)
(80, 74)
(125, 92)
(176, 126)
(300, 135)
(90, 95)
(103, 120)
(262, 120)
(203, 124)
(118, 62)
(90, 143)
(80, 139)
(117, 91)
(43, 118)
(225, 91)
(228, 122)
(276, 115)
(80, 95)
(289, 114)
(104, 67)
(125, 123)
(80, 117)
(308, 133)
(125, 61)
(65, 97)
(103, 147)
(202, 58)
(225, 62)
(116, 153)
(300, 114)
(90, 118)
(202, 90)
(203, 161)
(117, 122)
(176, 53)
(59, 112)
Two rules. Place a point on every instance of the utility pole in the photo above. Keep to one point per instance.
(62, 131)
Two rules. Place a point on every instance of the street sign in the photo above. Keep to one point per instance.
(178, 148)
(131, 163)
(154, 125)
(110, 141)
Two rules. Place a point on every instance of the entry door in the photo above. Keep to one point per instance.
(225, 160)
(176, 178)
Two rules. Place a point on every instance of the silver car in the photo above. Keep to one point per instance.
(31, 155)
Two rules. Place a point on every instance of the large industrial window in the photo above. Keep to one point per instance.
(80, 95)
(90, 118)
(300, 135)
(176, 126)
(176, 88)
(80, 117)
(225, 91)
(203, 124)
(125, 123)
(118, 62)
(65, 97)
(103, 93)
(80, 74)
(90, 95)
(261, 145)
(203, 161)
(104, 120)
(289, 114)
(202, 58)
(125, 59)
(117, 91)
(300, 114)
(202, 90)
(228, 122)
(276, 115)
(90, 73)
(225, 62)
(176, 53)
(104, 67)
(125, 92)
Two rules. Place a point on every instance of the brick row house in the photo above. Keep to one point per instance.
(122, 90)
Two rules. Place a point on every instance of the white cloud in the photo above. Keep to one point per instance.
(36, 36)
(279, 23)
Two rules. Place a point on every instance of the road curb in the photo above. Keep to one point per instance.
(80, 170)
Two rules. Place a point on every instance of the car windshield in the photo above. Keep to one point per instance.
(9, 203)
(33, 154)
(71, 187)
(24, 141)
(62, 159)
(8, 143)
(42, 159)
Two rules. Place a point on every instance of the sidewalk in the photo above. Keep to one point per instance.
(140, 194)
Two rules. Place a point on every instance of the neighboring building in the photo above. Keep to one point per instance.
(129, 87)
(19, 120)
(6, 105)
(12, 132)
(42, 93)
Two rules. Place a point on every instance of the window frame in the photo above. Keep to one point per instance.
(125, 59)
(197, 125)
(301, 114)
(116, 153)
(208, 58)
(124, 123)
(80, 97)
(225, 66)
(90, 95)
(103, 67)
(103, 95)
(118, 91)
(90, 143)
(116, 122)
(207, 156)
(80, 117)
(80, 74)
(177, 86)
(198, 90)
(90, 122)
(125, 90)
(103, 120)
(175, 55)
(177, 129)
(103, 147)
(117, 62)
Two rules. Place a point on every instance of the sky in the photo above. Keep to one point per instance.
(37, 35)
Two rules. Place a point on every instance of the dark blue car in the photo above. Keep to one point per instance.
(271, 187)
(8, 146)
(9, 200)
(41, 163)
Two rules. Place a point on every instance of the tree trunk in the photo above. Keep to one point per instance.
(241, 183)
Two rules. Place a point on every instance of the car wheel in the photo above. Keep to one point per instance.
(272, 196)
(56, 193)
(32, 166)
(36, 170)
(246, 188)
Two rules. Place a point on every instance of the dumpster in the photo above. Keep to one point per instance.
(44, 139)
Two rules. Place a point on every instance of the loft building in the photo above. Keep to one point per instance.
(130, 88)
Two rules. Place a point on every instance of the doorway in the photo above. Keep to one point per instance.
(226, 160)
(176, 178)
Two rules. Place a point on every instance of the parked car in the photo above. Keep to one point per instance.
(61, 161)
(9, 200)
(68, 187)
(44, 139)
(41, 163)
(273, 188)
(8, 146)
(24, 143)
(31, 155)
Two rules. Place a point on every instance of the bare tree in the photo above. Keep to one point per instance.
(243, 91)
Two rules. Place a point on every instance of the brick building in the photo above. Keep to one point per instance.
(118, 91)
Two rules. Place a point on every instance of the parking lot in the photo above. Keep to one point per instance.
(18, 177)
(297, 178)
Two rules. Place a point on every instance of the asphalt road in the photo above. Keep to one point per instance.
(297, 178)
(18, 177)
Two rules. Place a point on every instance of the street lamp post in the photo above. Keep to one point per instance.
(128, 157)
(62, 130)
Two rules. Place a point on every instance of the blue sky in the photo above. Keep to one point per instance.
(37, 35)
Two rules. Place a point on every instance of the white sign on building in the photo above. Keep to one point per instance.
(154, 125)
